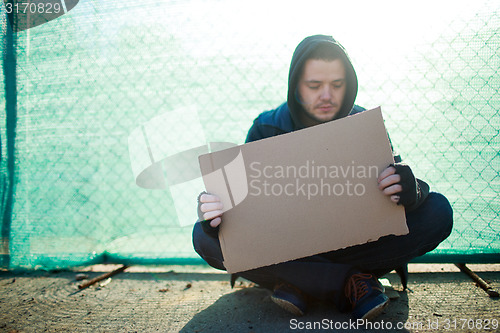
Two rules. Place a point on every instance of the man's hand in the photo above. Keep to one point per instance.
(210, 208)
(388, 183)
(398, 182)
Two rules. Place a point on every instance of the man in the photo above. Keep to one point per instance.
(322, 87)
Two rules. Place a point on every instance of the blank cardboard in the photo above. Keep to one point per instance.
(303, 193)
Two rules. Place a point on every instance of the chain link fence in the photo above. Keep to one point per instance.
(75, 89)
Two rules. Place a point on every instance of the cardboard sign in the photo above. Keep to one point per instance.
(303, 193)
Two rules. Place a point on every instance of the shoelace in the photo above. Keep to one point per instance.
(357, 287)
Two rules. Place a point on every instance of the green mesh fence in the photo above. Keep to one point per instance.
(76, 88)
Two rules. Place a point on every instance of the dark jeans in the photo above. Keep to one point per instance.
(323, 276)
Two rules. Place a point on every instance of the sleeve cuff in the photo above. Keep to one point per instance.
(423, 192)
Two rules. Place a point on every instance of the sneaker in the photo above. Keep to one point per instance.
(366, 295)
(289, 298)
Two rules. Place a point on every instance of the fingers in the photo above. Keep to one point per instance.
(389, 181)
(212, 214)
(211, 206)
(394, 189)
(209, 198)
(387, 172)
(215, 222)
(395, 198)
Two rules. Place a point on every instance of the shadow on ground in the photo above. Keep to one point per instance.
(191, 301)
(251, 310)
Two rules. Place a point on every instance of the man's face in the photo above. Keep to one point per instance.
(322, 88)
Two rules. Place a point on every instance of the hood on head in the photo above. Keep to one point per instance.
(303, 53)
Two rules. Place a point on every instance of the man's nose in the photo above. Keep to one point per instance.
(326, 94)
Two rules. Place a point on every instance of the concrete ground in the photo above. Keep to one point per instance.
(200, 299)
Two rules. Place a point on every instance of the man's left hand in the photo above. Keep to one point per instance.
(398, 182)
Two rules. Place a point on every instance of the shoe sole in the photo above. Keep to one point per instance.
(288, 306)
(375, 311)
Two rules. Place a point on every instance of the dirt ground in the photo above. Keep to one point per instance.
(200, 299)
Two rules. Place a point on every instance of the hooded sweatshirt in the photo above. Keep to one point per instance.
(286, 118)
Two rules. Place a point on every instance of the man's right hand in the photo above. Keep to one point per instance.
(210, 208)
